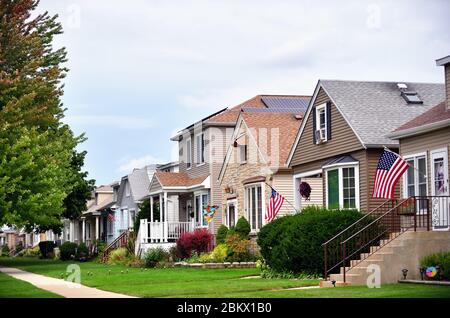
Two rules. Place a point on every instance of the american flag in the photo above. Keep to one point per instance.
(274, 206)
(111, 217)
(390, 168)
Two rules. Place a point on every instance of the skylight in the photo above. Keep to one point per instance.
(412, 98)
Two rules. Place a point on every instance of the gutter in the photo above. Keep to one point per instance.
(419, 130)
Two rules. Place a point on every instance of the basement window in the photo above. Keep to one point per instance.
(412, 98)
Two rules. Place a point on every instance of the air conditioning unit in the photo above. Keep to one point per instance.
(320, 136)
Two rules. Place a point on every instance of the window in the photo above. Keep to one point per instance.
(343, 187)
(201, 201)
(242, 154)
(110, 226)
(321, 123)
(188, 154)
(415, 182)
(231, 213)
(127, 189)
(412, 98)
(200, 145)
(132, 218)
(253, 206)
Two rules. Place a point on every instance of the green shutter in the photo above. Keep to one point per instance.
(333, 189)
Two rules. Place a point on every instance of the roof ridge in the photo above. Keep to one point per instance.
(391, 82)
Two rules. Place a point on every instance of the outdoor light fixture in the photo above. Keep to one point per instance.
(334, 283)
(235, 143)
(405, 273)
(422, 271)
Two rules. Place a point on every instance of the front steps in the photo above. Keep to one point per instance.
(403, 252)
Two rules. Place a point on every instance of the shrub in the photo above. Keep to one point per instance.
(239, 249)
(155, 256)
(32, 252)
(19, 248)
(221, 234)
(294, 243)
(174, 254)
(67, 251)
(219, 254)
(242, 228)
(5, 251)
(82, 252)
(46, 248)
(118, 256)
(438, 259)
(198, 241)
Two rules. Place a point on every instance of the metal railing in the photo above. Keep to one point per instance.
(414, 213)
(332, 248)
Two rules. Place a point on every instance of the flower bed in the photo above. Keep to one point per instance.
(216, 265)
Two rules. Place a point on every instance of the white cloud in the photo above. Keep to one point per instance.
(129, 164)
(112, 121)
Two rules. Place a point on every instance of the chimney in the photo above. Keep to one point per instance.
(445, 62)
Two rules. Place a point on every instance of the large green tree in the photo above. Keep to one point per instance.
(37, 150)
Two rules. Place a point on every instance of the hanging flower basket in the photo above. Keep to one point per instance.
(305, 190)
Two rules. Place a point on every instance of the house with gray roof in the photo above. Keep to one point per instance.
(344, 132)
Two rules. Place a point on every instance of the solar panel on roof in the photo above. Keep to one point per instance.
(296, 104)
(271, 110)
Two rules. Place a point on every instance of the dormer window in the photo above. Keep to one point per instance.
(412, 97)
(242, 154)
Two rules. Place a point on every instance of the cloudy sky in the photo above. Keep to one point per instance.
(142, 70)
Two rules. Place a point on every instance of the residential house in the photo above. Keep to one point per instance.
(425, 145)
(344, 133)
(417, 225)
(202, 147)
(255, 164)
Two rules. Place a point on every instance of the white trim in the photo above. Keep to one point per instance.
(317, 124)
(199, 164)
(307, 174)
(415, 156)
(235, 203)
(341, 164)
(305, 119)
(419, 130)
(340, 180)
(296, 184)
(446, 180)
(190, 160)
(248, 205)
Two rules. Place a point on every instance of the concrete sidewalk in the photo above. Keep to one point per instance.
(59, 286)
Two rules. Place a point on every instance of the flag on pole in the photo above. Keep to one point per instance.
(389, 170)
(274, 206)
(111, 217)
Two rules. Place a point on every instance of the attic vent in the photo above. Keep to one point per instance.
(412, 98)
(402, 86)
(298, 116)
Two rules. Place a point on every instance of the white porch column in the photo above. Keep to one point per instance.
(71, 238)
(151, 209)
(96, 227)
(161, 208)
(83, 231)
(166, 217)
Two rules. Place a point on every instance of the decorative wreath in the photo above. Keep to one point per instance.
(305, 190)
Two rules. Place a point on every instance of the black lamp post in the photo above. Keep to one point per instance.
(422, 271)
(438, 270)
(334, 283)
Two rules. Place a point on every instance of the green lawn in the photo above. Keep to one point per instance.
(15, 288)
(223, 283)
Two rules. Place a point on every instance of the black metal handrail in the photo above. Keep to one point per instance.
(332, 251)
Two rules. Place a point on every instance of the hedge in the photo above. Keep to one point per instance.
(294, 243)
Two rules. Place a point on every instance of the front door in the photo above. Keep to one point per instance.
(231, 213)
(440, 189)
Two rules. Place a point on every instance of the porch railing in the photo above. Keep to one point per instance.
(159, 232)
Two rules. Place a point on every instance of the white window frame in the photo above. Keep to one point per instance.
(200, 194)
(415, 157)
(130, 219)
(248, 205)
(189, 154)
(318, 110)
(297, 179)
(243, 150)
(339, 167)
(233, 202)
(200, 149)
(127, 189)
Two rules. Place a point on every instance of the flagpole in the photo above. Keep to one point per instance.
(389, 150)
(286, 200)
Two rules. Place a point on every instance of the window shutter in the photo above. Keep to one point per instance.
(314, 125)
(328, 120)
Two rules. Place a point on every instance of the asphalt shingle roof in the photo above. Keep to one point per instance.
(374, 109)
(140, 181)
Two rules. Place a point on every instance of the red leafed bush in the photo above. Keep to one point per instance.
(199, 241)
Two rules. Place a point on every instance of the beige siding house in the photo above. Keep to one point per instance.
(255, 164)
(344, 133)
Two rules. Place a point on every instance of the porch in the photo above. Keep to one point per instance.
(163, 232)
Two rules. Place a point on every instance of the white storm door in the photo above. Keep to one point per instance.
(440, 189)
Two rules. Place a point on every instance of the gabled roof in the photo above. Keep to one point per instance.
(436, 118)
(374, 109)
(287, 125)
(177, 179)
(140, 181)
(293, 103)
